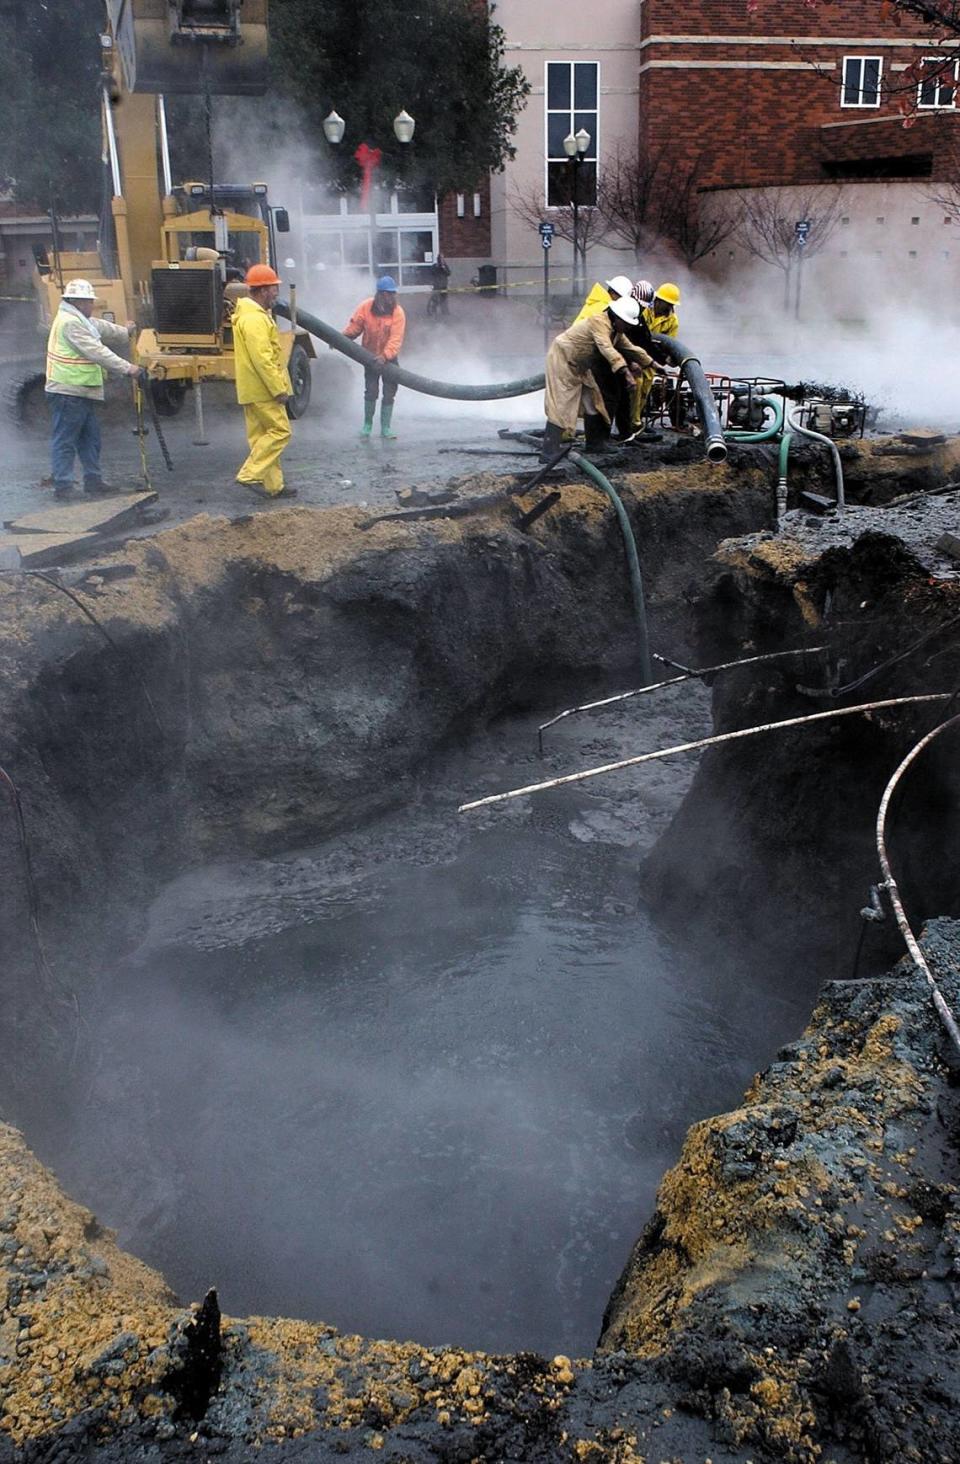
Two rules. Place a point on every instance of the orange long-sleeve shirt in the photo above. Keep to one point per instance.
(382, 335)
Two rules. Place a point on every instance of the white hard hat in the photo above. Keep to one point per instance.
(79, 290)
(626, 309)
(619, 285)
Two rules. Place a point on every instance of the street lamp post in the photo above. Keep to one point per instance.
(575, 145)
(369, 159)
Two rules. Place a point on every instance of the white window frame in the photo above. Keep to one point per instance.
(549, 111)
(940, 81)
(860, 103)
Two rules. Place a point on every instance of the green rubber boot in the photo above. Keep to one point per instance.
(368, 410)
(386, 417)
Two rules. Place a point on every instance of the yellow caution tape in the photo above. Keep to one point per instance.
(513, 285)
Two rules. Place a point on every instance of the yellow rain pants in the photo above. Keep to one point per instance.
(268, 432)
(667, 325)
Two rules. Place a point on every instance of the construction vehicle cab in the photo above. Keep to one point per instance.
(208, 242)
(170, 256)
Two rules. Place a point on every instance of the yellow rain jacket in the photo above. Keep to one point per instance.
(261, 379)
(598, 299)
(261, 374)
(667, 325)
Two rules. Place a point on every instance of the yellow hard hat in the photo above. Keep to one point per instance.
(668, 292)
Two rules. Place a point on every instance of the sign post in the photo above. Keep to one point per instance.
(801, 230)
(547, 232)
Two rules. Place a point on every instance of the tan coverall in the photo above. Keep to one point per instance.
(569, 377)
(262, 378)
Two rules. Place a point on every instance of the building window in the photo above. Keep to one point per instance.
(573, 96)
(861, 81)
(476, 206)
(938, 88)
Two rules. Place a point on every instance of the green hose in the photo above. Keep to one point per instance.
(633, 562)
(768, 433)
(785, 442)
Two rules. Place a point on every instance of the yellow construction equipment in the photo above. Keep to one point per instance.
(179, 253)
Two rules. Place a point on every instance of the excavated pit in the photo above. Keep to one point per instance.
(271, 683)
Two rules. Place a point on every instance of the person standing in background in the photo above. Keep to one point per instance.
(380, 323)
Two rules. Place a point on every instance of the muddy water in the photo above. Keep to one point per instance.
(423, 1080)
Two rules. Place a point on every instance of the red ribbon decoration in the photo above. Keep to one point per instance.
(369, 159)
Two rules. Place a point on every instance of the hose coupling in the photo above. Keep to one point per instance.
(874, 911)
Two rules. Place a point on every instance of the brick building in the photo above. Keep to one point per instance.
(758, 105)
(757, 96)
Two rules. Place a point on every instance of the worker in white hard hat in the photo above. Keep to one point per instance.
(571, 385)
(78, 353)
(603, 295)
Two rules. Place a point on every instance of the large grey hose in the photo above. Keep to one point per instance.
(495, 391)
(700, 388)
(499, 391)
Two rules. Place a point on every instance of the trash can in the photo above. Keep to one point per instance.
(487, 280)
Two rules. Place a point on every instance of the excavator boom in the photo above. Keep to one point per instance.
(191, 46)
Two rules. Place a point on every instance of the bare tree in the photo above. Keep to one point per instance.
(698, 221)
(767, 227)
(655, 201)
(634, 197)
(532, 208)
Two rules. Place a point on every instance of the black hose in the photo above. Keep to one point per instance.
(499, 391)
(495, 391)
(700, 389)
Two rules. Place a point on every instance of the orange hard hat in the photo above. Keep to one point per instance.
(261, 274)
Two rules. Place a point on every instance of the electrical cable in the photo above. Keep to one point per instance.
(889, 883)
(893, 660)
(623, 696)
(50, 983)
(84, 610)
(644, 757)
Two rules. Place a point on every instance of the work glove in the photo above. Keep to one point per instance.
(143, 378)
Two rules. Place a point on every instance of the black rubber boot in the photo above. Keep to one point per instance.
(551, 444)
(596, 432)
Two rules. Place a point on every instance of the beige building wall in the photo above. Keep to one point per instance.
(538, 31)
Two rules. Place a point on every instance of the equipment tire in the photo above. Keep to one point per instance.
(27, 403)
(301, 380)
(167, 397)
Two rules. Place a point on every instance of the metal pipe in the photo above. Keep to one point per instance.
(782, 460)
(643, 757)
(201, 438)
(890, 884)
(793, 421)
(112, 147)
(702, 394)
(164, 146)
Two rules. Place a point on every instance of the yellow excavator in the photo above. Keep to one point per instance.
(178, 254)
